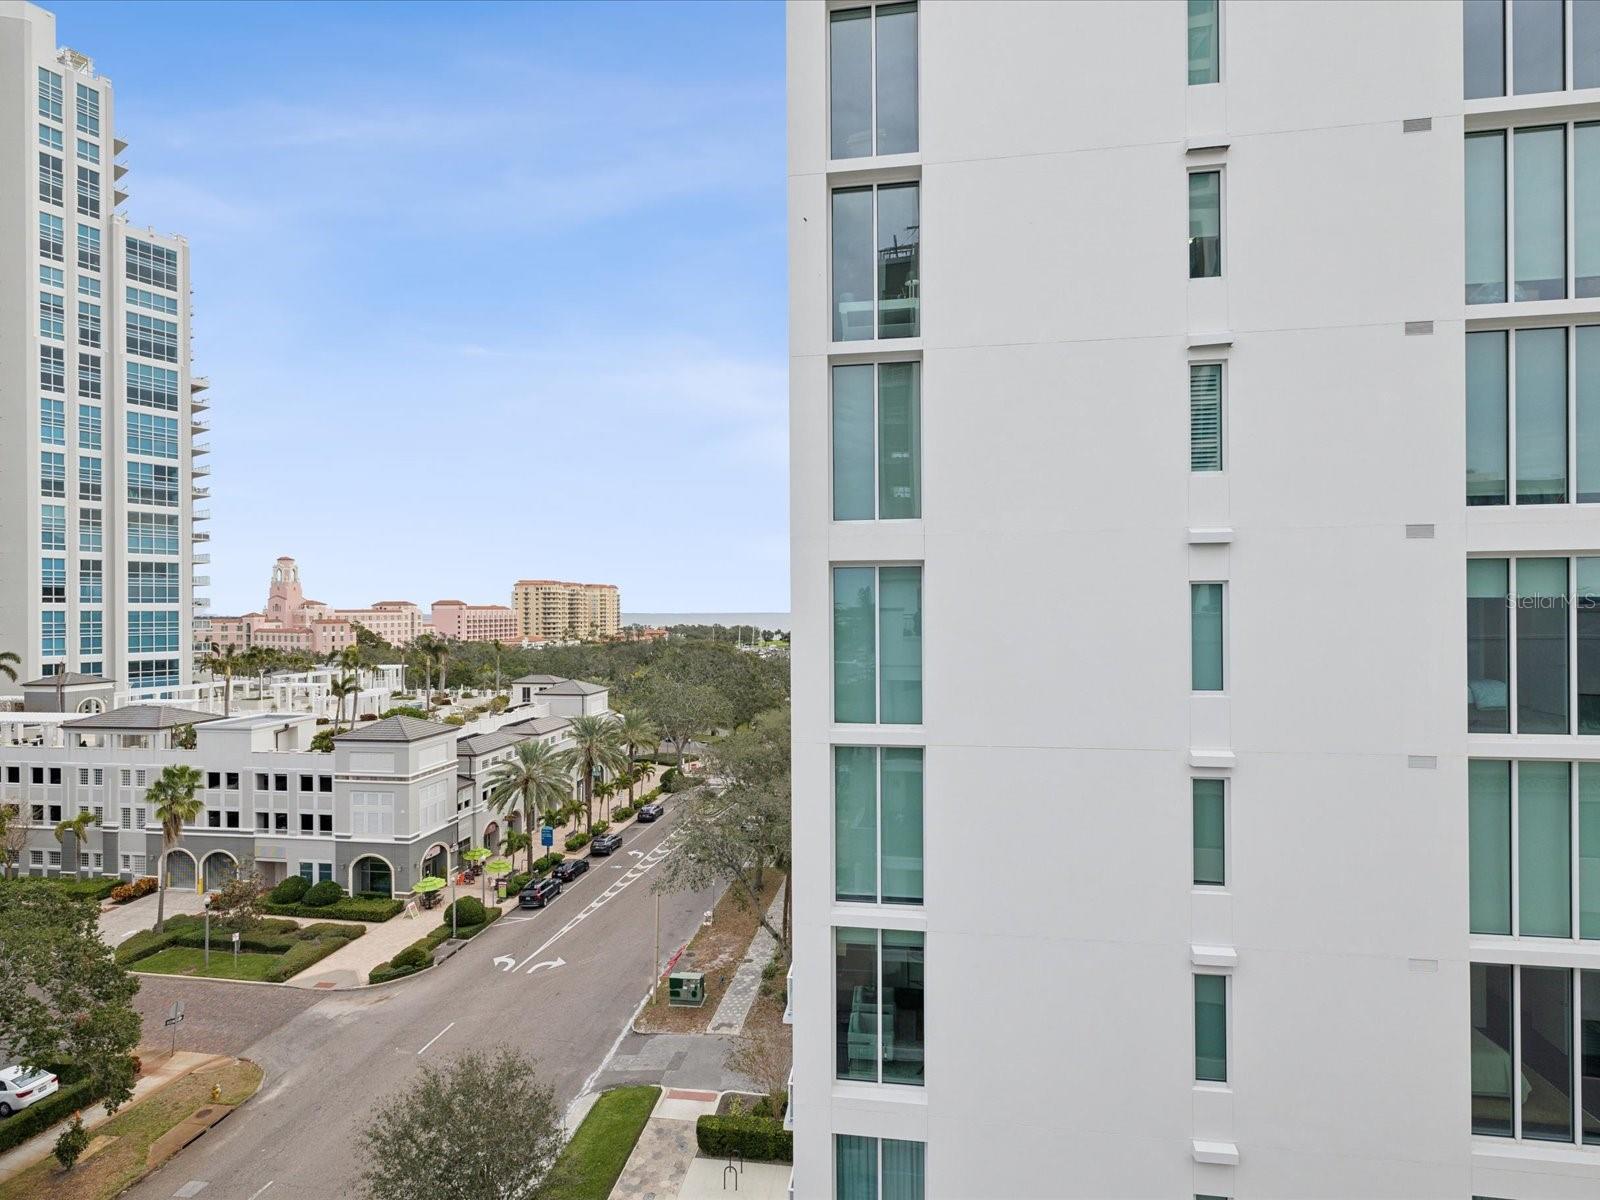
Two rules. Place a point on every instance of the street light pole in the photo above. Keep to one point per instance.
(655, 966)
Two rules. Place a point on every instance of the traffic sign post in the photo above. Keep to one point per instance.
(547, 836)
(174, 1019)
(236, 949)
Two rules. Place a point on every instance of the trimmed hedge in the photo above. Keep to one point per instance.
(418, 956)
(36, 1118)
(469, 910)
(598, 828)
(577, 841)
(320, 895)
(291, 891)
(141, 886)
(297, 948)
(622, 814)
(759, 1139)
(342, 910)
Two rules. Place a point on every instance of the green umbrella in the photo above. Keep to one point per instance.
(477, 854)
(429, 883)
(498, 866)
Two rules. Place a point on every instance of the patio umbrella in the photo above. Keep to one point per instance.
(498, 866)
(476, 856)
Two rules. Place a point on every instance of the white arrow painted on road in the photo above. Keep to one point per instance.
(505, 962)
(552, 963)
(637, 853)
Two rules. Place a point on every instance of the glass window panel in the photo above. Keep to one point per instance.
(897, 78)
(1492, 1072)
(1588, 414)
(1205, 60)
(1205, 417)
(855, 1167)
(1489, 845)
(854, 316)
(1586, 207)
(1541, 404)
(1210, 824)
(1589, 1041)
(853, 449)
(1542, 645)
(1488, 646)
(1211, 1028)
(1205, 637)
(1487, 441)
(1484, 37)
(899, 230)
(1205, 224)
(1544, 849)
(1547, 1053)
(1585, 43)
(1538, 46)
(854, 644)
(850, 83)
(899, 440)
(1540, 233)
(856, 995)
(855, 822)
(903, 1170)
(901, 817)
(900, 642)
(1587, 617)
(1486, 218)
(902, 1007)
(1589, 851)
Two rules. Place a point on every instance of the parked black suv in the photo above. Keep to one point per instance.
(651, 812)
(606, 843)
(539, 893)
(570, 869)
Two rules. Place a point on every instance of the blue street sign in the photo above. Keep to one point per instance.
(547, 836)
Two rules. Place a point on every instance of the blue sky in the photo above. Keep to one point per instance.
(485, 292)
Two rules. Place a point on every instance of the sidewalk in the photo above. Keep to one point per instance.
(662, 1155)
(741, 994)
(121, 921)
(160, 1069)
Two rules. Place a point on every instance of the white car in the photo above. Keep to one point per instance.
(22, 1086)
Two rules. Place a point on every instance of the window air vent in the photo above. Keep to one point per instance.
(1416, 125)
(1414, 328)
(1422, 762)
(1419, 531)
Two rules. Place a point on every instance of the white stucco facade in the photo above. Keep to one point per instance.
(1059, 531)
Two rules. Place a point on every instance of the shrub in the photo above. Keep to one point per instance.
(516, 881)
(468, 911)
(322, 741)
(759, 1139)
(36, 1118)
(332, 929)
(622, 814)
(142, 886)
(577, 841)
(544, 864)
(369, 716)
(320, 895)
(412, 957)
(599, 827)
(74, 1140)
(291, 891)
(455, 719)
(404, 710)
(340, 910)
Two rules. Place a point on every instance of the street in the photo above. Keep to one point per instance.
(558, 983)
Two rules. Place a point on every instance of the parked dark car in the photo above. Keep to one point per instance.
(569, 870)
(651, 812)
(539, 893)
(606, 843)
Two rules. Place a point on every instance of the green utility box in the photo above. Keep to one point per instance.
(686, 989)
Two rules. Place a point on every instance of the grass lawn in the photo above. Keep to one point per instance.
(186, 960)
(134, 1130)
(592, 1160)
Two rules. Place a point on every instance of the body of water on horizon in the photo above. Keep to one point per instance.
(767, 620)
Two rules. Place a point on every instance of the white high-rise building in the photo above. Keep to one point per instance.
(99, 466)
(1195, 569)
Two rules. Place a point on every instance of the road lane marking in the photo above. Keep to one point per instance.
(264, 1187)
(439, 1035)
(504, 961)
(552, 963)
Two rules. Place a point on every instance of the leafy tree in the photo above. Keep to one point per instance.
(733, 835)
(322, 741)
(682, 711)
(14, 829)
(636, 733)
(534, 777)
(224, 660)
(78, 827)
(595, 748)
(172, 797)
(238, 902)
(74, 1140)
(67, 1000)
(450, 1135)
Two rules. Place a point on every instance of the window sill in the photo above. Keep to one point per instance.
(1490, 112)
(870, 167)
(1530, 313)
(875, 350)
(1507, 1150)
(879, 1093)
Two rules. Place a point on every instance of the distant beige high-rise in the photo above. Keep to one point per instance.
(553, 608)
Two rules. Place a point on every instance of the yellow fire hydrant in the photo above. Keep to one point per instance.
(216, 1093)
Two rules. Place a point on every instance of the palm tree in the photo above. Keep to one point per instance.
(173, 798)
(9, 663)
(350, 660)
(224, 660)
(535, 778)
(595, 747)
(636, 733)
(78, 826)
(429, 649)
(606, 789)
(342, 686)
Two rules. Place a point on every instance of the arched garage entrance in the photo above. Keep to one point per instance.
(371, 875)
(437, 861)
(219, 868)
(180, 870)
(491, 836)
